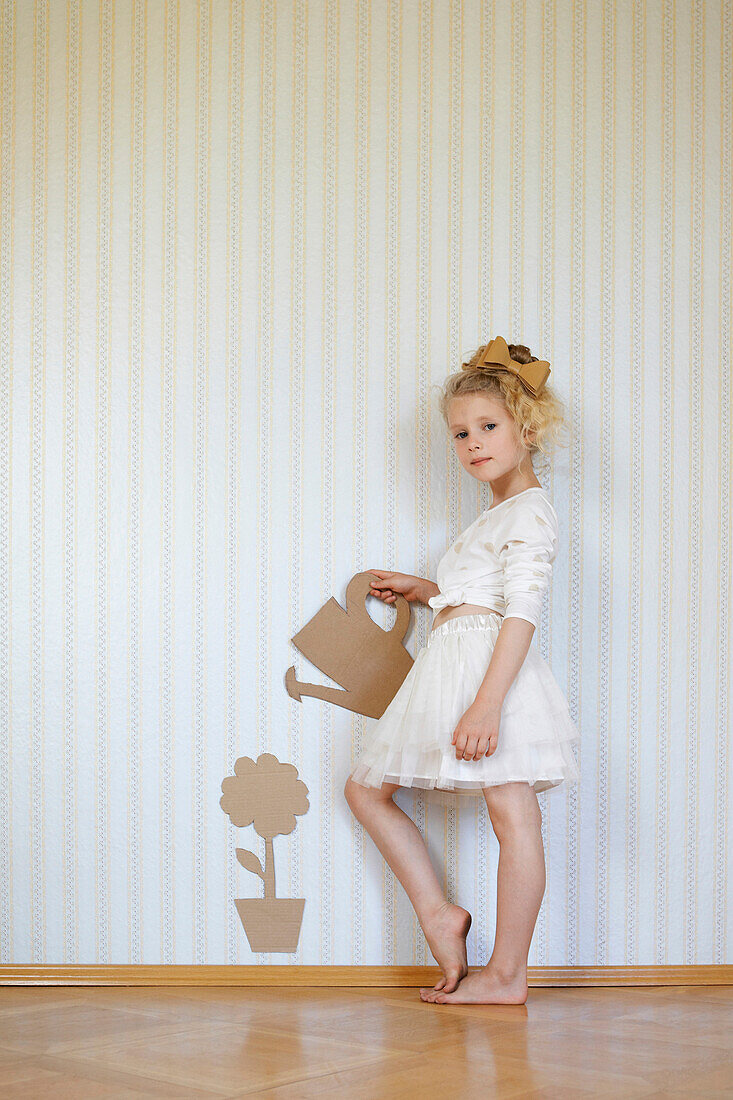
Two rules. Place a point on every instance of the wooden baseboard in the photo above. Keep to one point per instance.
(384, 976)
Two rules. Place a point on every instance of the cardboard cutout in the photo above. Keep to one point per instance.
(268, 795)
(370, 663)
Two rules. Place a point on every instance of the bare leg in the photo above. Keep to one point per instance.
(400, 842)
(517, 821)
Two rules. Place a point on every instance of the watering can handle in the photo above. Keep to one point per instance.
(357, 590)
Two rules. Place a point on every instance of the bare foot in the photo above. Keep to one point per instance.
(483, 987)
(446, 935)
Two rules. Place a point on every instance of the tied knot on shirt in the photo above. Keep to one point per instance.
(504, 559)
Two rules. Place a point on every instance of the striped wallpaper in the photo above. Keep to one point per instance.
(241, 243)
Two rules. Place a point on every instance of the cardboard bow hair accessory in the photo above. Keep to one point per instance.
(495, 356)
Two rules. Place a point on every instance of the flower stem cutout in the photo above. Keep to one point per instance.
(268, 795)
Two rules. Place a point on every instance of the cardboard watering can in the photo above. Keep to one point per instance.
(370, 663)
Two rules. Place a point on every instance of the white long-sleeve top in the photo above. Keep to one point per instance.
(504, 559)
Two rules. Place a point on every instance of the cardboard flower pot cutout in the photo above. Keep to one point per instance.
(268, 795)
(370, 663)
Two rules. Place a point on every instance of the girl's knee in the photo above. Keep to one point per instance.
(350, 791)
(356, 794)
(512, 806)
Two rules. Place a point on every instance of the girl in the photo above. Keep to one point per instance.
(480, 711)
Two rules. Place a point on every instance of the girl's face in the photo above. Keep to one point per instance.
(485, 437)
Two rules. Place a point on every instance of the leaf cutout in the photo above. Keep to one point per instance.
(250, 862)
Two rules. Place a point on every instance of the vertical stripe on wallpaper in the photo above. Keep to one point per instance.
(330, 291)
(362, 116)
(453, 350)
(104, 275)
(517, 70)
(70, 488)
(167, 624)
(7, 166)
(721, 907)
(266, 138)
(575, 527)
(423, 439)
(201, 367)
(607, 466)
(136, 444)
(636, 450)
(233, 351)
(391, 360)
(298, 429)
(38, 369)
(479, 927)
(665, 492)
(545, 328)
(696, 329)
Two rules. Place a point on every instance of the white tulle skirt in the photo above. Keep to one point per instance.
(411, 743)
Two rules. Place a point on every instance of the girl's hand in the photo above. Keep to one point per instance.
(386, 586)
(477, 733)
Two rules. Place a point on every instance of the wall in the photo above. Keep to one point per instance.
(240, 244)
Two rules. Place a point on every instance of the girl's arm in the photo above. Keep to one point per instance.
(526, 555)
(477, 733)
(529, 545)
(512, 646)
(388, 585)
(427, 589)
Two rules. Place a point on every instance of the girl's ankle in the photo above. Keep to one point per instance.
(507, 975)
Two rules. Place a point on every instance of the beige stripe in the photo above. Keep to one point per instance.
(666, 420)
(265, 267)
(104, 276)
(167, 906)
(697, 332)
(575, 659)
(392, 326)
(7, 306)
(135, 413)
(296, 753)
(635, 625)
(234, 428)
(37, 565)
(70, 486)
(725, 401)
(201, 367)
(362, 95)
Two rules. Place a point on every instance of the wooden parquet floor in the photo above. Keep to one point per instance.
(294, 1044)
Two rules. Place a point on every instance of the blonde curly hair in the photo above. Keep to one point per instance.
(544, 415)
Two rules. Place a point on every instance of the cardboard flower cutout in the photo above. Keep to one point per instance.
(268, 795)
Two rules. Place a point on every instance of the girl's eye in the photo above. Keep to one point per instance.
(489, 424)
